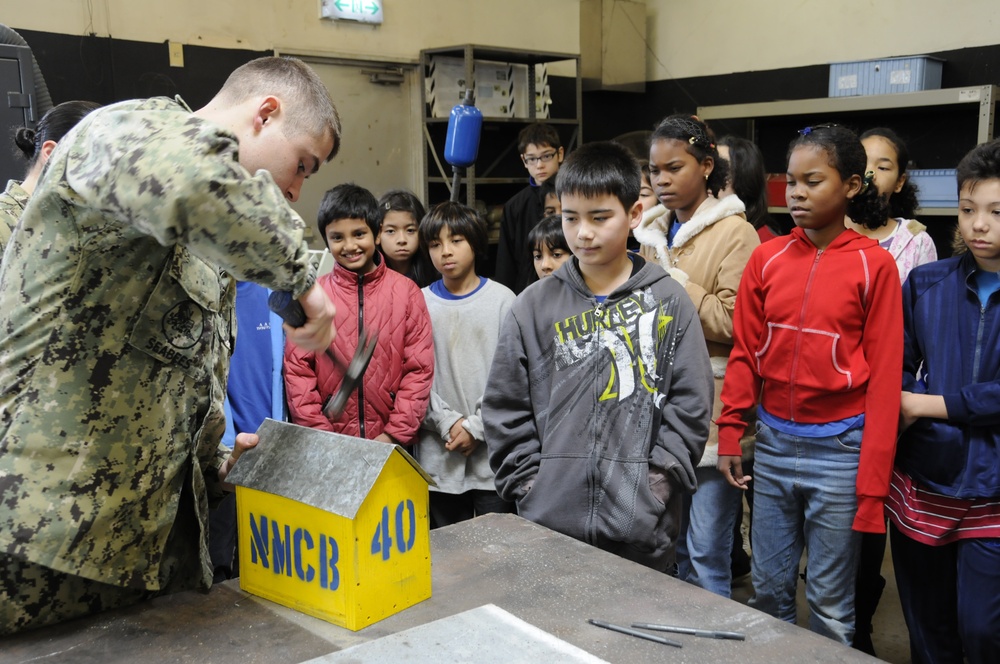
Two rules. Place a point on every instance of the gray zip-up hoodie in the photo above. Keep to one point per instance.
(596, 412)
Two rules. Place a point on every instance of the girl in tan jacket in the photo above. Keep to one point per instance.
(704, 243)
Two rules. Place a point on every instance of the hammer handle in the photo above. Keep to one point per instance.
(286, 306)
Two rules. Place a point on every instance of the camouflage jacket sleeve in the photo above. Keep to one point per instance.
(176, 177)
(12, 202)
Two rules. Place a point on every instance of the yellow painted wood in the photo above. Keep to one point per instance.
(348, 572)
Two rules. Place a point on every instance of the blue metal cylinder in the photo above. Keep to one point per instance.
(462, 142)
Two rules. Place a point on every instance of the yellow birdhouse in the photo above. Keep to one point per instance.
(331, 525)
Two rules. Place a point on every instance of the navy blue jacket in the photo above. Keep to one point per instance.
(955, 343)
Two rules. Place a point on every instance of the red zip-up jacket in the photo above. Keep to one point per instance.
(818, 337)
(394, 393)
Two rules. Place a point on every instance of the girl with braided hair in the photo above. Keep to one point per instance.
(816, 343)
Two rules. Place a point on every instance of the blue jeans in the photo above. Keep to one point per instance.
(806, 497)
(705, 543)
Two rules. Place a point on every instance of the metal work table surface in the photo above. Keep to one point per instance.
(546, 579)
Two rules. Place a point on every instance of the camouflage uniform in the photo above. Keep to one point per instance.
(116, 315)
(12, 202)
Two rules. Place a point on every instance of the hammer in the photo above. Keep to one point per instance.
(286, 306)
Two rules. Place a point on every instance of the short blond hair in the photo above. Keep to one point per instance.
(307, 101)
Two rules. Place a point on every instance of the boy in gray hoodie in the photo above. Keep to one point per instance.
(598, 401)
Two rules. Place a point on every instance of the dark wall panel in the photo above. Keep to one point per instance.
(105, 69)
(939, 137)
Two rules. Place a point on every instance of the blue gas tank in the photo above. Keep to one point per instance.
(464, 124)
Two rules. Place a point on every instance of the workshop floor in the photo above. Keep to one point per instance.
(889, 635)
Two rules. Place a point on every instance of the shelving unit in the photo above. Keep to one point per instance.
(939, 113)
(498, 172)
(985, 96)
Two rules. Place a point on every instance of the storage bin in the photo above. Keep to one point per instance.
(879, 77)
(936, 187)
(776, 190)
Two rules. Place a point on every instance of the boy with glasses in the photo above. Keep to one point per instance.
(542, 153)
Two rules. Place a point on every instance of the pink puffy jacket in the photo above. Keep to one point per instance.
(396, 387)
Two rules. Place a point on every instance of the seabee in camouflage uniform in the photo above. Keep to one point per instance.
(12, 202)
(117, 322)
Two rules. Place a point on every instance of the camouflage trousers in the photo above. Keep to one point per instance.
(33, 596)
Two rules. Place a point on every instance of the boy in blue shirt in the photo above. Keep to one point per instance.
(944, 498)
(597, 405)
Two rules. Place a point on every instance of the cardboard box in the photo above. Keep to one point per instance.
(879, 77)
(333, 526)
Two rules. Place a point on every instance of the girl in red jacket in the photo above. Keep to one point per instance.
(390, 402)
(818, 343)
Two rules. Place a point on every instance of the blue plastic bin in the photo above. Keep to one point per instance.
(936, 187)
(880, 77)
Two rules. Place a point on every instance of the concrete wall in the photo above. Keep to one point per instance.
(294, 26)
(725, 36)
(684, 38)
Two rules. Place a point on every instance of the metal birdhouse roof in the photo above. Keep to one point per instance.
(328, 471)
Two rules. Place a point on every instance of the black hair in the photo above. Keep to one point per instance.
(52, 127)
(402, 200)
(847, 156)
(700, 144)
(548, 232)
(902, 203)
(546, 188)
(461, 220)
(601, 169)
(981, 163)
(539, 134)
(749, 178)
(348, 201)
(644, 172)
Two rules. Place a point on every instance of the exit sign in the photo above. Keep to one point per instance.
(365, 11)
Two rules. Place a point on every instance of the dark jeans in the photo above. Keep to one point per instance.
(222, 540)
(449, 508)
(951, 598)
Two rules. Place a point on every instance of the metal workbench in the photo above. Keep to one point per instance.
(546, 579)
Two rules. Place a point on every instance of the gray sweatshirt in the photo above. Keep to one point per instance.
(589, 405)
(466, 332)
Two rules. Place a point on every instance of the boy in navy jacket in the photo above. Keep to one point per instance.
(944, 500)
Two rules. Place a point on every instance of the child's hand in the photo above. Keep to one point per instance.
(913, 406)
(731, 467)
(244, 441)
(385, 438)
(461, 440)
(907, 416)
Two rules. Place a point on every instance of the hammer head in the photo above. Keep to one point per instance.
(353, 374)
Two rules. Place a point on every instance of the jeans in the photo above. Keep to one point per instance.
(951, 598)
(705, 543)
(806, 497)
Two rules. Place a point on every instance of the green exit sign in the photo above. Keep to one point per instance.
(365, 11)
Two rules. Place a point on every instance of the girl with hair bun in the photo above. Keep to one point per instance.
(704, 243)
(36, 145)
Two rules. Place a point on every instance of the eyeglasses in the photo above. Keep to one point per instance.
(543, 158)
